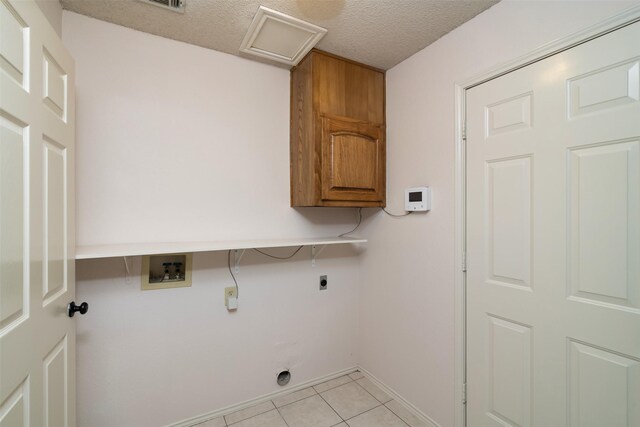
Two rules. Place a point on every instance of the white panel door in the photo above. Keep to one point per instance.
(37, 338)
(553, 240)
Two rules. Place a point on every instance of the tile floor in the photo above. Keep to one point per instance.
(348, 401)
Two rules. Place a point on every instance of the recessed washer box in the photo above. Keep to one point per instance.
(166, 271)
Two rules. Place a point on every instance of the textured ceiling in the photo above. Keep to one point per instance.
(380, 33)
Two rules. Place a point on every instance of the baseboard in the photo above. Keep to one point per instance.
(392, 393)
(269, 396)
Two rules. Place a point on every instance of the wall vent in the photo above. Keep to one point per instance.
(174, 5)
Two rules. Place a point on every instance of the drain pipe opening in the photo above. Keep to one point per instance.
(284, 377)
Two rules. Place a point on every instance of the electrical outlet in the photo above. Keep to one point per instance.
(230, 292)
(323, 283)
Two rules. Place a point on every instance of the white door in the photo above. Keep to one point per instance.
(553, 240)
(37, 338)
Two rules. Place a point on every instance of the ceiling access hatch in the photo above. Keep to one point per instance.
(283, 38)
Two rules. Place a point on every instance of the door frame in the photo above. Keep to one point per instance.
(622, 19)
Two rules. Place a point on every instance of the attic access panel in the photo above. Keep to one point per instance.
(279, 37)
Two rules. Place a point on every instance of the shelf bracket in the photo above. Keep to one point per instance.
(315, 251)
(127, 276)
(238, 253)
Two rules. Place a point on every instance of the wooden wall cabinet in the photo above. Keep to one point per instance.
(338, 154)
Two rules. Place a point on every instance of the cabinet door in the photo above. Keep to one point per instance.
(353, 161)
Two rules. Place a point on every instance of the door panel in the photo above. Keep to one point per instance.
(14, 52)
(606, 88)
(55, 85)
(511, 368)
(352, 160)
(55, 219)
(55, 386)
(553, 240)
(509, 221)
(592, 371)
(14, 290)
(37, 338)
(603, 190)
(14, 412)
(346, 146)
(509, 115)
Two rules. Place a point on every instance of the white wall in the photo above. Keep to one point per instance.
(155, 357)
(176, 142)
(181, 143)
(407, 273)
(52, 9)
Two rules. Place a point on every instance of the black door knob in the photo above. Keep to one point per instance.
(82, 308)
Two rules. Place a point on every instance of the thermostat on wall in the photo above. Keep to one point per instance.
(417, 199)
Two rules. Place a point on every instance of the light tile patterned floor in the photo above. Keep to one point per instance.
(348, 401)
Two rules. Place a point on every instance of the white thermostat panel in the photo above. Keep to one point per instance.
(417, 199)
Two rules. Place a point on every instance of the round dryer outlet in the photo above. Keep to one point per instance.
(284, 377)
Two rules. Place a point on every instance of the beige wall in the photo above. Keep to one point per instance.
(407, 272)
(180, 143)
(52, 9)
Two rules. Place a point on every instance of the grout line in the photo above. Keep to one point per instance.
(377, 400)
(291, 403)
(283, 419)
(332, 408)
(245, 419)
(363, 378)
(345, 375)
(253, 416)
(207, 421)
(397, 415)
(300, 400)
(368, 410)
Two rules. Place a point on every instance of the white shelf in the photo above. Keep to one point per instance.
(136, 249)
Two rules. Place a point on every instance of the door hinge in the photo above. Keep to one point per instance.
(464, 130)
(464, 393)
(464, 262)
